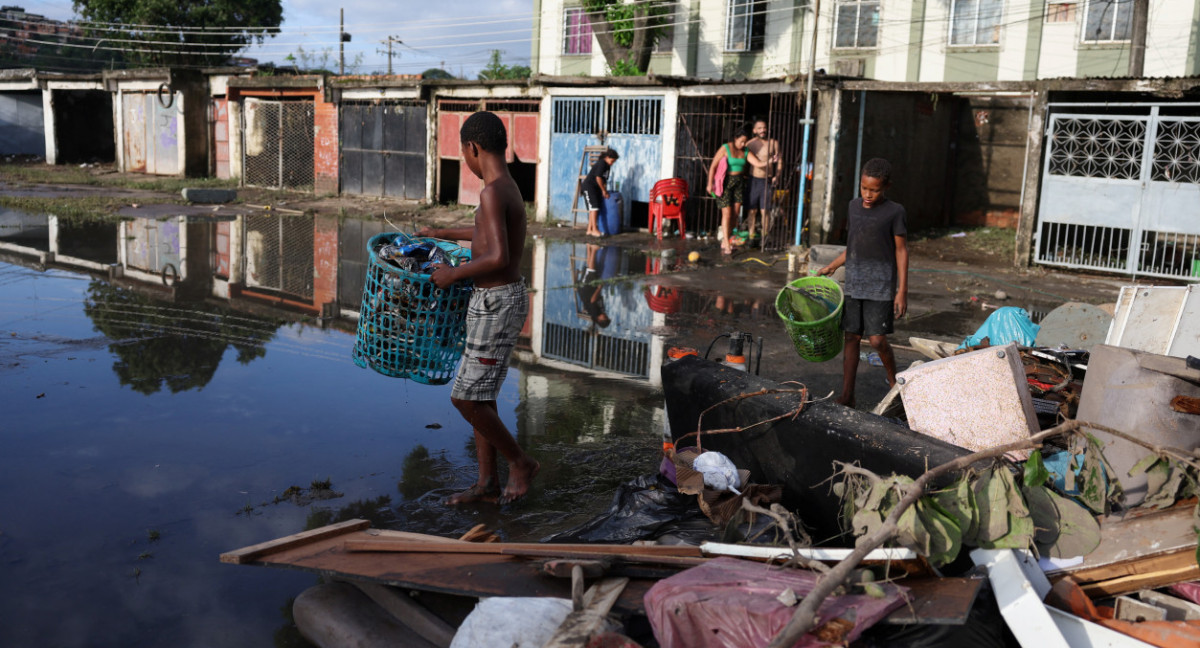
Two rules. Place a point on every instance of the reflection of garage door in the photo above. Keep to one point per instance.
(21, 129)
(1119, 191)
(383, 148)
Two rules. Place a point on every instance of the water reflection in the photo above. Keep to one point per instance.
(159, 346)
(222, 375)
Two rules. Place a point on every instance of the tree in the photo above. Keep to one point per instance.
(497, 71)
(627, 32)
(437, 74)
(181, 39)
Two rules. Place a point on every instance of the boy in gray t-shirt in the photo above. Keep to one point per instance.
(876, 260)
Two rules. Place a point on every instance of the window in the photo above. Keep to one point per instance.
(857, 24)
(1107, 21)
(577, 32)
(1063, 12)
(745, 25)
(975, 22)
(666, 39)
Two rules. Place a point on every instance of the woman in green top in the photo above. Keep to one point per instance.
(733, 188)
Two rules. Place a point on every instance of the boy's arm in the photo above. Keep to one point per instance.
(901, 303)
(603, 189)
(833, 265)
(448, 233)
(491, 242)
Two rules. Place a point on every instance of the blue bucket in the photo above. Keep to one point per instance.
(609, 219)
(407, 326)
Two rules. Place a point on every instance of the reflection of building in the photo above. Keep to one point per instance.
(565, 332)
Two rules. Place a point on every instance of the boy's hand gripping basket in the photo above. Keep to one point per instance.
(811, 309)
(407, 326)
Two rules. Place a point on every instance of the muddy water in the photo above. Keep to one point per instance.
(143, 436)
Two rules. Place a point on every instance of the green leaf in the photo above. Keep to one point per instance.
(1019, 536)
(945, 537)
(1044, 514)
(1078, 530)
(991, 501)
(1143, 465)
(1035, 471)
(959, 502)
(1163, 483)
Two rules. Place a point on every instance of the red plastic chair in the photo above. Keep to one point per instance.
(667, 199)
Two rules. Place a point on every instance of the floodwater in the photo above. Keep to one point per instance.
(156, 419)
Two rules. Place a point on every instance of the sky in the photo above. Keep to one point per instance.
(457, 35)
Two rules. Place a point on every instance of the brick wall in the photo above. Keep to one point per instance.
(325, 148)
(325, 260)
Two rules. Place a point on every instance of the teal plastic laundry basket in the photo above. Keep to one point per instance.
(407, 326)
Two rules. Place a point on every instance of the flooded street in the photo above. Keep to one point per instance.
(143, 436)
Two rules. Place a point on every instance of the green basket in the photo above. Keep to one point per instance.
(822, 339)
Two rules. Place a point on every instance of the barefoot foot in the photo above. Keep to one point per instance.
(476, 493)
(519, 477)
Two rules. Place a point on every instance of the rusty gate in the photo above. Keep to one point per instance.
(278, 143)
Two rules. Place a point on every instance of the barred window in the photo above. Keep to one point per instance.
(745, 25)
(1107, 21)
(857, 24)
(577, 32)
(975, 22)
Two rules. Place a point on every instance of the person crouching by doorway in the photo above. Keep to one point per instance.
(595, 189)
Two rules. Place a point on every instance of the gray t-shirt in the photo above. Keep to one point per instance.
(871, 249)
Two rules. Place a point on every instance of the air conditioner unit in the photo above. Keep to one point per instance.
(849, 67)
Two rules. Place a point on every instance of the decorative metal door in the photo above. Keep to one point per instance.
(277, 144)
(1120, 190)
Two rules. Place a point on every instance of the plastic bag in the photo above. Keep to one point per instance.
(643, 509)
(1008, 324)
(718, 471)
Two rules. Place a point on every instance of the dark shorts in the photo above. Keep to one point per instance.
(734, 191)
(593, 198)
(867, 317)
(760, 194)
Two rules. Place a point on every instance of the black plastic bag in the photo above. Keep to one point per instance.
(642, 509)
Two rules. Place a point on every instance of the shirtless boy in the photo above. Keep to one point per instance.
(497, 311)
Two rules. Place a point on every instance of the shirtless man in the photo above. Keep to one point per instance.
(762, 179)
(497, 311)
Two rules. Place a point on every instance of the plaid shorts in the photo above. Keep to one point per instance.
(495, 318)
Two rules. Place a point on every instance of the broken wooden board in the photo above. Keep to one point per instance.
(1143, 550)
(321, 551)
(936, 601)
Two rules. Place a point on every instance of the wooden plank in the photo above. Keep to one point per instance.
(255, 552)
(579, 626)
(1143, 550)
(936, 601)
(519, 548)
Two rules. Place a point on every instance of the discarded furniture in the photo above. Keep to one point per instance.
(1020, 588)
(796, 452)
(1132, 391)
(975, 400)
(1158, 319)
(667, 202)
(1075, 325)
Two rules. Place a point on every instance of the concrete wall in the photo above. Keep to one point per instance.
(989, 160)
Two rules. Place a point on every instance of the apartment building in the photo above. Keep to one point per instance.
(893, 40)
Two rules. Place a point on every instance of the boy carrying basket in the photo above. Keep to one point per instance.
(876, 260)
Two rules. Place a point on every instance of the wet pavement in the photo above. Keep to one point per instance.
(164, 394)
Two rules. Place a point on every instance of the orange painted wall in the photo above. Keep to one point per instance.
(325, 148)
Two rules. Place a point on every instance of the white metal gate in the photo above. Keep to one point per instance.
(1121, 189)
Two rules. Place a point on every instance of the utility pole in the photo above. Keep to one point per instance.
(1137, 43)
(342, 42)
(389, 41)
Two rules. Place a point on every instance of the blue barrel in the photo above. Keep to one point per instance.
(609, 219)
